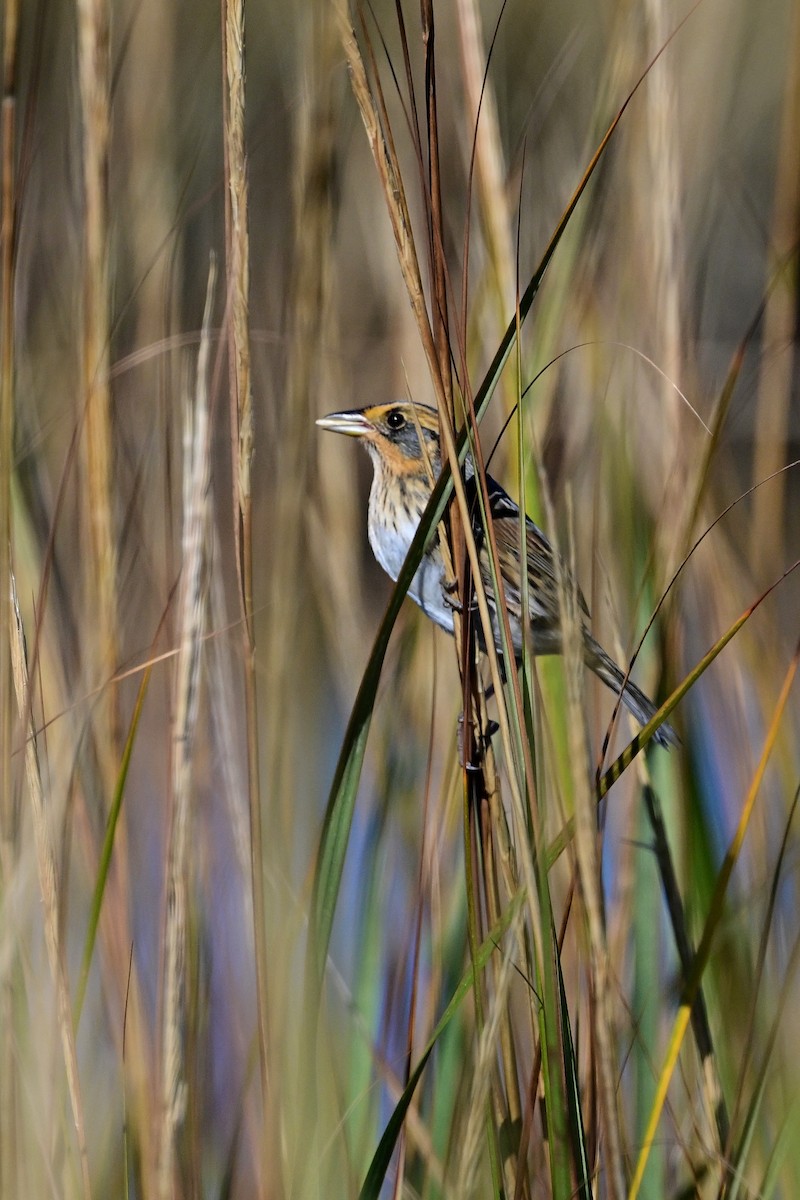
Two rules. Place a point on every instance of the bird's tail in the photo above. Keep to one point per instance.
(633, 697)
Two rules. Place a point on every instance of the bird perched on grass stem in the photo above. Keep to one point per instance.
(403, 442)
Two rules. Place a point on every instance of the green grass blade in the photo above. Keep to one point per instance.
(108, 847)
(583, 1169)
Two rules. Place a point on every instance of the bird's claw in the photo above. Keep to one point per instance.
(452, 601)
(479, 743)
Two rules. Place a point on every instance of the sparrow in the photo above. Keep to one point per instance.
(402, 439)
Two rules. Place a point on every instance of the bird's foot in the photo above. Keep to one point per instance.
(452, 601)
(481, 740)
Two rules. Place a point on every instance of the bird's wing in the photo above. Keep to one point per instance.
(540, 557)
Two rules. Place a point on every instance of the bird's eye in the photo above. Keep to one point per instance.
(395, 419)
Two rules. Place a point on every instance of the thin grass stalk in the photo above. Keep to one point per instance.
(49, 885)
(238, 272)
(101, 563)
(8, 821)
(192, 620)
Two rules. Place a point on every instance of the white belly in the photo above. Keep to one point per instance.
(427, 586)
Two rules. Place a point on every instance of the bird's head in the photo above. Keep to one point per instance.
(401, 437)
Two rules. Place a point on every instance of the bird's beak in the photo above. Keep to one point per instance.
(354, 424)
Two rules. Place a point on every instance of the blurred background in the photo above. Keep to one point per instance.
(675, 279)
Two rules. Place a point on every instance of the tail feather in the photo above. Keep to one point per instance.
(634, 699)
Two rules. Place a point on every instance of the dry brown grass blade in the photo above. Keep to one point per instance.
(191, 619)
(49, 885)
